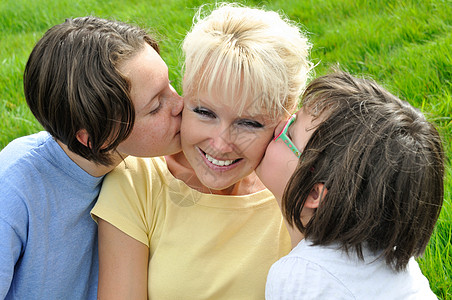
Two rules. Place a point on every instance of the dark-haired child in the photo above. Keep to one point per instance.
(101, 91)
(358, 174)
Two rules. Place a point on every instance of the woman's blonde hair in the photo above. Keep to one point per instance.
(246, 54)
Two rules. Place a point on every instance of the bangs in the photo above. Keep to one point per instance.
(238, 78)
(253, 59)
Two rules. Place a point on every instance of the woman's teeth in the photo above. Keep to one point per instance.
(220, 163)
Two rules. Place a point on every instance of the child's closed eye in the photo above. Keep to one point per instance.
(156, 106)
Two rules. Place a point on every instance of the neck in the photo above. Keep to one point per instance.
(295, 235)
(180, 168)
(88, 166)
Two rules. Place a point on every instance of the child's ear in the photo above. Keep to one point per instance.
(314, 196)
(82, 136)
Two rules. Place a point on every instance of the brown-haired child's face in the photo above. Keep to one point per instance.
(279, 161)
(157, 107)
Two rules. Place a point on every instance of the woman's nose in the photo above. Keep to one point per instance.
(222, 141)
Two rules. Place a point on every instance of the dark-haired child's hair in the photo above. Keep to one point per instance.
(382, 163)
(72, 82)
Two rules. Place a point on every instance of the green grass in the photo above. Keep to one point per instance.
(404, 45)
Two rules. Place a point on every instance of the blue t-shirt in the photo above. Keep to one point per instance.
(48, 244)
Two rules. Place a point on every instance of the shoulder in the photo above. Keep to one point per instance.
(139, 165)
(129, 196)
(299, 275)
(23, 151)
(138, 170)
(298, 278)
(29, 141)
(302, 260)
(18, 166)
(416, 284)
(134, 180)
(21, 163)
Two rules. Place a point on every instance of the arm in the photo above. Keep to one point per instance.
(13, 232)
(123, 264)
(10, 246)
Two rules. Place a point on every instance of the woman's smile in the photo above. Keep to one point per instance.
(218, 164)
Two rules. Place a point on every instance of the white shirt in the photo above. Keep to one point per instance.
(319, 272)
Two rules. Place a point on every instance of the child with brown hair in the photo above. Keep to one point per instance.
(361, 195)
(100, 90)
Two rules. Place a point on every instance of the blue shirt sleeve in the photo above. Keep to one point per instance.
(10, 251)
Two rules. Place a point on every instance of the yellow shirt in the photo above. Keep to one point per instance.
(202, 246)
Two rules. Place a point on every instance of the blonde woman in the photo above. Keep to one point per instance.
(199, 224)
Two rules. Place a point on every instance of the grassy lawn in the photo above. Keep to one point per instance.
(404, 45)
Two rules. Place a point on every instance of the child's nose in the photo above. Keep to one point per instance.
(177, 102)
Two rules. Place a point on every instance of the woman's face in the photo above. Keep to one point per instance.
(222, 146)
(279, 161)
(157, 107)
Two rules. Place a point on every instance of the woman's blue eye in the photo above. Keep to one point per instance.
(250, 123)
(204, 112)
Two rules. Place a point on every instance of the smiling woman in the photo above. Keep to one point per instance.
(199, 224)
(225, 147)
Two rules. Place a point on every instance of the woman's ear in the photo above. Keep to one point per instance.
(83, 137)
(318, 191)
